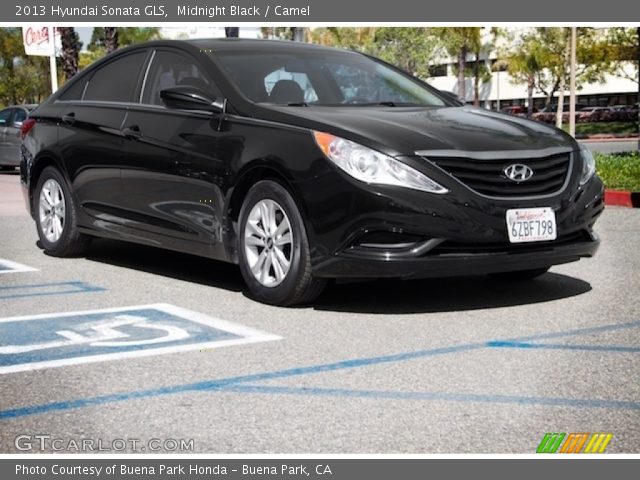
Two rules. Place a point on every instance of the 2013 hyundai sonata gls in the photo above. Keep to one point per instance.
(301, 163)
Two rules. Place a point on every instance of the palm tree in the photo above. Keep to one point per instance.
(232, 32)
(111, 38)
(460, 42)
(71, 46)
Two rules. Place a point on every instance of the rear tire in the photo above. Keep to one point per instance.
(522, 275)
(273, 248)
(57, 217)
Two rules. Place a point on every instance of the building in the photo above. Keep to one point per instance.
(501, 90)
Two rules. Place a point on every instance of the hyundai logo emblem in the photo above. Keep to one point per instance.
(518, 172)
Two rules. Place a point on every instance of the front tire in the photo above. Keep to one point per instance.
(57, 217)
(273, 248)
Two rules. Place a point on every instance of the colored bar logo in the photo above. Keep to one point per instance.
(574, 443)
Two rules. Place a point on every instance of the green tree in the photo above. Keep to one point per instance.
(232, 32)
(103, 37)
(593, 58)
(353, 38)
(23, 79)
(71, 46)
(625, 52)
(409, 48)
(459, 42)
(111, 39)
(523, 64)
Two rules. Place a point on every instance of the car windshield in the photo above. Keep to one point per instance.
(323, 78)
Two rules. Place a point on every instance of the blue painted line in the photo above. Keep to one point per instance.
(577, 332)
(549, 346)
(47, 289)
(214, 385)
(221, 384)
(456, 397)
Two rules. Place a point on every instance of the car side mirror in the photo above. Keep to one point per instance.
(452, 97)
(187, 97)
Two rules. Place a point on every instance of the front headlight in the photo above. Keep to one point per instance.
(588, 164)
(369, 166)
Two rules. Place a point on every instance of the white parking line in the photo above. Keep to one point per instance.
(7, 266)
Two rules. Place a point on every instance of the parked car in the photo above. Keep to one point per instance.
(548, 114)
(597, 114)
(518, 110)
(301, 163)
(626, 112)
(11, 119)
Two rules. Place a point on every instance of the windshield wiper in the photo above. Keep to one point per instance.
(297, 104)
(388, 103)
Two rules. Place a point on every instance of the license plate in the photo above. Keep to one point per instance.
(531, 224)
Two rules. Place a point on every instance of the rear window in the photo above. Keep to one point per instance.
(74, 91)
(117, 80)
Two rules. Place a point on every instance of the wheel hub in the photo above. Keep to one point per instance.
(51, 210)
(268, 243)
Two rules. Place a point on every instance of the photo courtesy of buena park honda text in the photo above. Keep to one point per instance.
(256, 239)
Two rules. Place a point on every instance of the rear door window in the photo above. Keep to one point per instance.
(117, 80)
(170, 69)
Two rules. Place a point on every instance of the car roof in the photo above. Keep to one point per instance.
(213, 45)
(28, 106)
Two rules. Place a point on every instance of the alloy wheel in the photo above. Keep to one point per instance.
(268, 243)
(52, 210)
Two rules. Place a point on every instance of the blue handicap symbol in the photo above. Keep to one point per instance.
(45, 340)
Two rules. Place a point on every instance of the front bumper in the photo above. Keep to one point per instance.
(459, 233)
(357, 265)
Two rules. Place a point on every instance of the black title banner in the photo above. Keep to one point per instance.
(326, 11)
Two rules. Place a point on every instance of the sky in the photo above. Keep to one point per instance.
(85, 35)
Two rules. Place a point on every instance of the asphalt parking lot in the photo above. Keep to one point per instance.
(472, 365)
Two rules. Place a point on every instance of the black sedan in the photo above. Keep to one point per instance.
(301, 163)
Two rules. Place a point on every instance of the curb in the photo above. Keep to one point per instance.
(622, 199)
(595, 138)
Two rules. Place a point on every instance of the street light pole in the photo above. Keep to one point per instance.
(498, 92)
(53, 67)
(572, 83)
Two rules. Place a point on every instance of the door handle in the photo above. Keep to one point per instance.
(69, 118)
(132, 132)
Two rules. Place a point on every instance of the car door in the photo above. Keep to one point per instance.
(6, 151)
(173, 177)
(90, 139)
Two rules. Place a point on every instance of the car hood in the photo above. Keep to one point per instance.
(404, 131)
